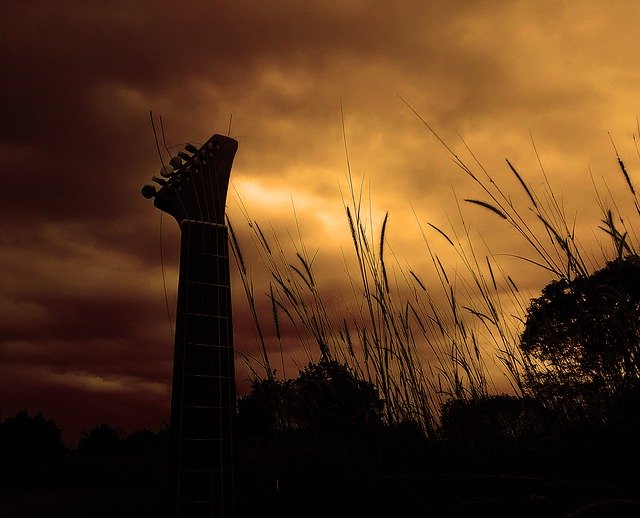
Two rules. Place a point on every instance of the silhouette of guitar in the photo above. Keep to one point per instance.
(193, 189)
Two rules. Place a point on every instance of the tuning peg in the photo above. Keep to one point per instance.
(191, 148)
(148, 191)
(166, 170)
(176, 162)
(159, 181)
(183, 155)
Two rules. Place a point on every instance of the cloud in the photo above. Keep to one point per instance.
(82, 294)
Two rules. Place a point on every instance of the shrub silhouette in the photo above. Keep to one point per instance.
(100, 454)
(267, 407)
(144, 458)
(306, 436)
(332, 398)
(326, 397)
(496, 418)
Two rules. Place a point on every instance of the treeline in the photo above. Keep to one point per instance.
(319, 444)
(108, 474)
(322, 438)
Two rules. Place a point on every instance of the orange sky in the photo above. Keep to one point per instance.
(84, 334)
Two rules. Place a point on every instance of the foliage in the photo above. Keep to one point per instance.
(100, 441)
(326, 397)
(30, 448)
(587, 330)
(494, 419)
(332, 396)
(32, 435)
(267, 407)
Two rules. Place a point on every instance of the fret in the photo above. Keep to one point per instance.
(201, 391)
(196, 283)
(209, 407)
(222, 436)
(207, 376)
(203, 239)
(205, 315)
(216, 508)
(208, 422)
(221, 347)
(203, 360)
(203, 329)
(213, 483)
(201, 454)
(210, 299)
(205, 269)
(214, 258)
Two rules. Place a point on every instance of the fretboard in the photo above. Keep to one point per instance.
(201, 456)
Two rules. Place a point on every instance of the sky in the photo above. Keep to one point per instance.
(84, 332)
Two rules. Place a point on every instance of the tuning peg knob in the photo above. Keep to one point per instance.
(191, 148)
(159, 181)
(183, 155)
(148, 191)
(166, 170)
(176, 162)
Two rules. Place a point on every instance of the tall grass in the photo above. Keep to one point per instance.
(393, 329)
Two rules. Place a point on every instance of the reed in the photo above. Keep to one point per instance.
(393, 330)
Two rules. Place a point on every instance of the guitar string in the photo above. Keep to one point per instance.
(166, 147)
(211, 211)
(184, 242)
(190, 227)
(207, 257)
(164, 282)
(218, 325)
(219, 479)
(225, 351)
(195, 171)
(164, 140)
(228, 350)
(164, 279)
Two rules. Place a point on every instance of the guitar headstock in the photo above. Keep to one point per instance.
(193, 186)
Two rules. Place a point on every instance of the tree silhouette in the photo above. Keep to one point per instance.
(311, 435)
(332, 397)
(31, 449)
(267, 407)
(326, 397)
(586, 331)
(100, 453)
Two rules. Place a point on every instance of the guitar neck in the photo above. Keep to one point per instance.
(203, 390)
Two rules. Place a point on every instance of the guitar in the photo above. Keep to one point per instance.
(193, 189)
